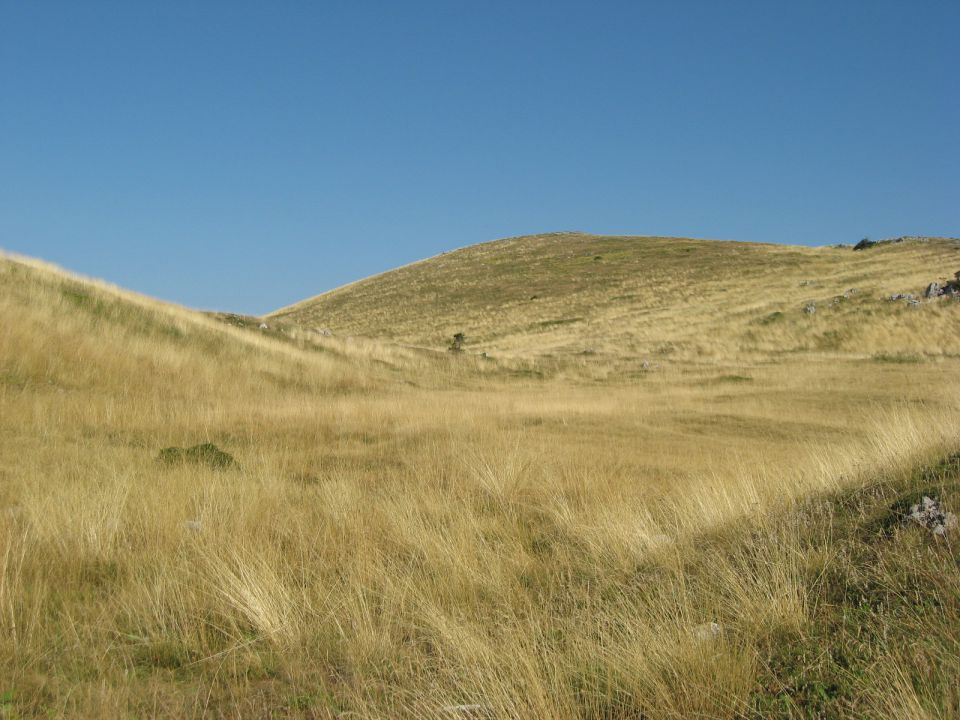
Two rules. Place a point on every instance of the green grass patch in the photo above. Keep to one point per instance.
(83, 298)
(13, 379)
(897, 358)
(559, 321)
(6, 699)
(109, 309)
(773, 317)
(832, 339)
(885, 606)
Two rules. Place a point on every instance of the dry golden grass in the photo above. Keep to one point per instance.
(410, 531)
(622, 298)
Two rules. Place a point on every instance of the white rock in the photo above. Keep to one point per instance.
(707, 632)
(931, 515)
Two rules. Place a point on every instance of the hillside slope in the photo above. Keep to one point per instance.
(570, 293)
(64, 332)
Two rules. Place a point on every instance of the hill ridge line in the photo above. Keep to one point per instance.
(556, 233)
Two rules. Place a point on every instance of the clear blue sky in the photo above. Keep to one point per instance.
(244, 155)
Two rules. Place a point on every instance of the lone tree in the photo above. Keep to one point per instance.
(456, 345)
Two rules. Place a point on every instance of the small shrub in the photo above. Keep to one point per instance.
(771, 318)
(204, 454)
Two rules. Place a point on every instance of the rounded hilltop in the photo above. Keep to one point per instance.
(573, 292)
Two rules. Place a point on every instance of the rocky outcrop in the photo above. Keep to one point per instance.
(930, 514)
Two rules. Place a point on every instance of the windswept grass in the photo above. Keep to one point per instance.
(409, 531)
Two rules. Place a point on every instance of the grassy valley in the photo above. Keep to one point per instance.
(654, 485)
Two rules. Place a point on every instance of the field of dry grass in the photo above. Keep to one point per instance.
(541, 533)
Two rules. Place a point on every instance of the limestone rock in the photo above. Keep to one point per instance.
(707, 631)
(930, 514)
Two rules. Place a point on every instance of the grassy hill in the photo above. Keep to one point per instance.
(570, 293)
(409, 533)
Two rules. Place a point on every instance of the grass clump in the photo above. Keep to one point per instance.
(559, 321)
(206, 454)
(773, 317)
(897, 358)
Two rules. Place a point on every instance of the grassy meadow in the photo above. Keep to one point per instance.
(683, 504)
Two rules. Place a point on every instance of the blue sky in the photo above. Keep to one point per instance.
(241, 156)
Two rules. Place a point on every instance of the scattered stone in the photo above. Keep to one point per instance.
(901, 296)
(948, 289)
(659, 540)
(707, 632)
(810, 309)
(913, 302)
(193, 525)
(264, 326)
(930, 514)
(325, 332)
(205, 454)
